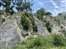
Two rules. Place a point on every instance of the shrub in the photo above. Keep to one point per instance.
(7, 9)
(35, 28)
(59, 40)
(25, 22)
(51, 42)
(30, 16)
(48, 41)
(48, 13)
(3, 19)
(11, 12)
(40, 13)
(26, 14)
(39, 16)
(48, 26)
(37, 42)
(1, 11)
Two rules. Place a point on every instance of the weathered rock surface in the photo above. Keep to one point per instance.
(11, 31)
(42, 30)
(10, 34)
(58, 25)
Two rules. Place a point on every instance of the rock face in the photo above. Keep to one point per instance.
(10, 34)
(42, 30)
(58, 25)
(11, 31)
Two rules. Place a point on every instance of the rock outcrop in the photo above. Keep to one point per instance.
(10, 34)
(42, 30)
(11, 31)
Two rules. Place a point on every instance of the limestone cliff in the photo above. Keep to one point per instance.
(12, 32)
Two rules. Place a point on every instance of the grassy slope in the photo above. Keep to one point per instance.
(48, 42)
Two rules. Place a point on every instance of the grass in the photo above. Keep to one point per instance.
(48, 42)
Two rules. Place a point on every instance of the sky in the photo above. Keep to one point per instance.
(53, 6)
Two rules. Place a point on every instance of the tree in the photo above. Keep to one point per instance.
(21, 5)
(59, 14)
(24, 5)
(48, 13)
(7, 9)
(7, 5)
(0, 3)
(62, 15)
(41, 11)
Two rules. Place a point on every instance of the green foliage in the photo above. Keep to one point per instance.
(1, 11)
(11, 12)
(39, 16)
(52, 42)
(35, 28)
(62, 15)
(40, 13)
(48, 13)
(7, 10)
(7, 5)
(57, 21)
(7, 2)
(25, 22)
(30, 16)
(3, 19)
(26, 14)
(48, 26)
(24, 5)
(59, 40)
(21, 5)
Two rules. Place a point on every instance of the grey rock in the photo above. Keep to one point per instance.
(41, 29)
(10, 34)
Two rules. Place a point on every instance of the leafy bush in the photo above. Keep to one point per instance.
(37, 42)
(59, 40)
(52, 42)
(39, 16)
(33, 43)
(35, 28)
(48, 26)
(48, 13)
(25, 22)
(7, 9)
(1, 12)
(26, 14)
(30, 16)
(3, 19)
(40, 13)
(11, 12)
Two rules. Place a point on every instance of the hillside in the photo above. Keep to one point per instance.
(20, 26)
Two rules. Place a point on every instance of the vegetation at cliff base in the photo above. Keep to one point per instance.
(48, 42)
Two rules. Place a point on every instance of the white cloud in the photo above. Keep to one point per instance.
(38, 8)
(54, 4)
(57, 9)
(64, 1)
(63, 4)
(40, 3)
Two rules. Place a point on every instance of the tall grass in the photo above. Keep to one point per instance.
(48, 42)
